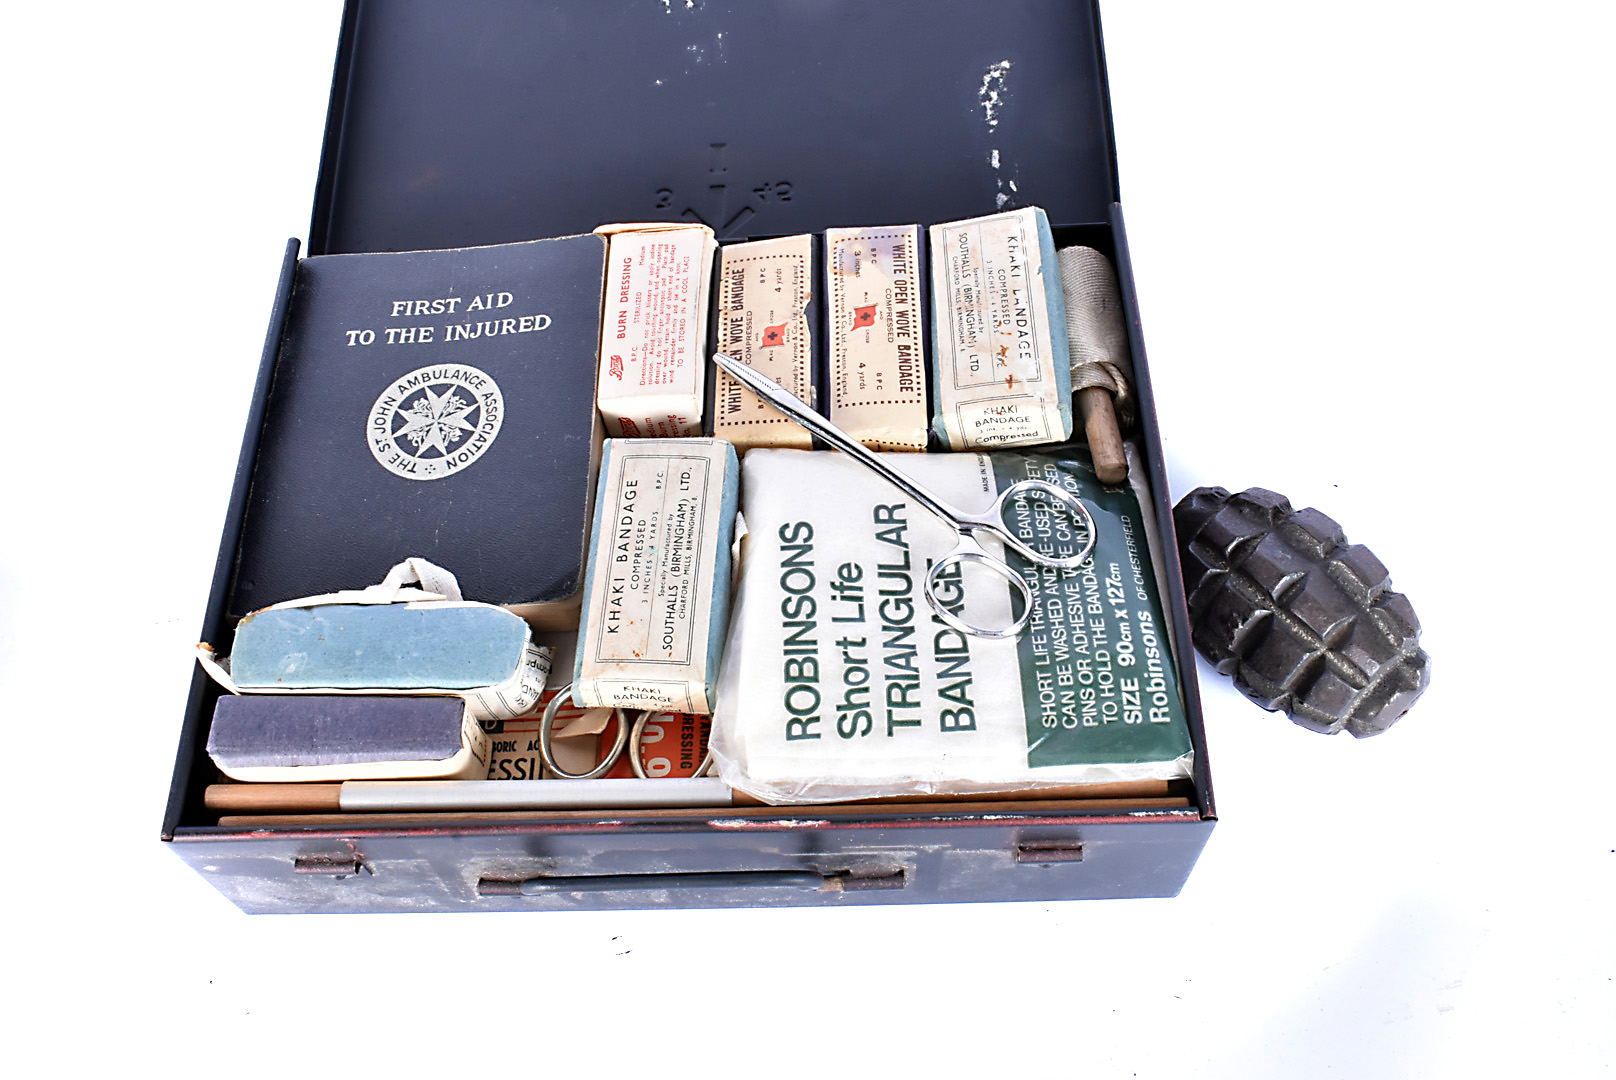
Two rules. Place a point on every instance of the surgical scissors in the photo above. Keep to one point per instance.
(966, 526)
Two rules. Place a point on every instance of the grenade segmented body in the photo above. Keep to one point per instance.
(1303, 621)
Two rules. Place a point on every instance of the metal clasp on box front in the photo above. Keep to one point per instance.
(1042, 852)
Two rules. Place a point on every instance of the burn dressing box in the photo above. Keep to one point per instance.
(738, 117)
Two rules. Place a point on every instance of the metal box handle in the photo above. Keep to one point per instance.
(719, 879)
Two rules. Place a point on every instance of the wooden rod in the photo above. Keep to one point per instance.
(273, 798)
(1105, 440)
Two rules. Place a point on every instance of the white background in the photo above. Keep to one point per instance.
(1371, 242)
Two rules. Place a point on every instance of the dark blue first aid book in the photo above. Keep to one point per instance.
(437, 404)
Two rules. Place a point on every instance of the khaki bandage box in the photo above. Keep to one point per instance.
(657, 600)
(1000, 371)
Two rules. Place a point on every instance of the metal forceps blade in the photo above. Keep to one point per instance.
(968, 550)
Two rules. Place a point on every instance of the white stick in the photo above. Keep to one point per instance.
(625, 794)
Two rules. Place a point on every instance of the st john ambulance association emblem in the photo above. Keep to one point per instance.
(435, 421)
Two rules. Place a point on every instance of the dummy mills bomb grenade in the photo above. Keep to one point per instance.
(1302, 620)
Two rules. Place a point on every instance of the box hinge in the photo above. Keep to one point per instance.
(335, 865)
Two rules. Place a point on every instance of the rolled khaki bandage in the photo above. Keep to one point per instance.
(1102, 371)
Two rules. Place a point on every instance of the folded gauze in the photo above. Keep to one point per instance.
(391, 638)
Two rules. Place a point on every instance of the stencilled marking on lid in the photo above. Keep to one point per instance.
(435, 421)
(716, 203)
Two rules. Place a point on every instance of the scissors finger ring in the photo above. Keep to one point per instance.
(968, 552)
(637, 734)
(547, 725)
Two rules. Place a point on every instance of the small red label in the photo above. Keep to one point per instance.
(774, 335)
(672, 744)
(864, 316)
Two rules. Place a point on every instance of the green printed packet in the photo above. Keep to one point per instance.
(1098, 682)
(840, 682)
